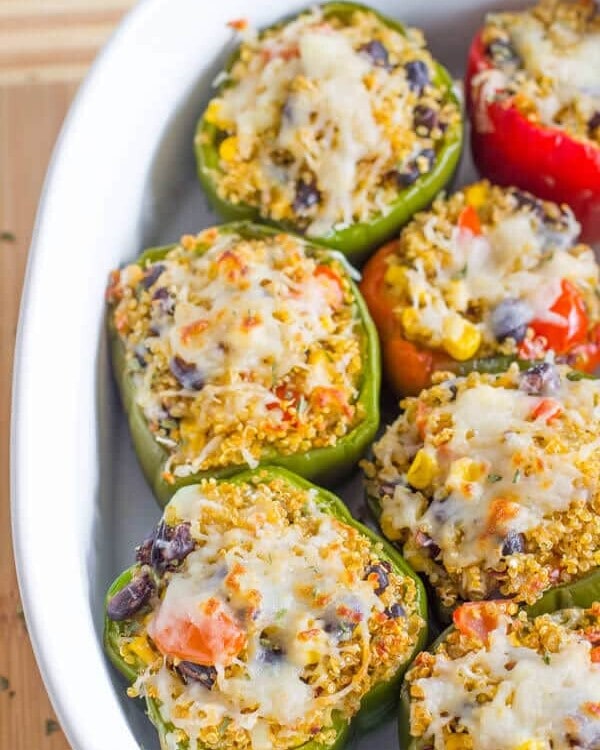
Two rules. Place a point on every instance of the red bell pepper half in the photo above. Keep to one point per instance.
(510, 149)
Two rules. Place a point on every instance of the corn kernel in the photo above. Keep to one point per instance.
(395, 276)
(228, 149)
(388, 528)
(140, 648)
(464, 470)
(212, 112)
(460, 338)
(213, 115)
(533, 745)
(476, 195)
(422, 470)
(410, 321)
(459, 742)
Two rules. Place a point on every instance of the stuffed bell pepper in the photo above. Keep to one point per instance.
(486, 276)
(491, 485)
(242, 346)
(337, 124)
(502, 681)
(260, 615)
(533, 94)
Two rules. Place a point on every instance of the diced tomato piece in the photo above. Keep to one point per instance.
(469, 220)
(572, 328)
(547, 410)
(334, 291)
(479, 619)
(592, 708)
(212, 637)
(595, 654)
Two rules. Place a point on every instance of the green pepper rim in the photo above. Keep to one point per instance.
(542, 607)
(359, 239)
(566, 594)
(379, 700)
(325, 465)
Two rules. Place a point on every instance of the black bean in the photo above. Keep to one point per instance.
(164, 299)
(425, 117)
(152, 274)
(191, 672)
(428, 154)
(594, 122)
(526, 200)
(427, 543)
(395, 611)
(542, 379)
(513, 542)
(307, 196)
(271, 651)
(409, 174)
(171, 546)
(130, 599)
(510, 318)
(417, 74)
(377, 53)
(502, 52)
(187, 374)
(380, 570)
(340, 628)
(143, 552)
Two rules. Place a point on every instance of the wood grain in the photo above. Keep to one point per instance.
(46, 47)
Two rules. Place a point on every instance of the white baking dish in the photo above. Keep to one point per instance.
(122, 178)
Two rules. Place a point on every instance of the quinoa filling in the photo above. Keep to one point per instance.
(266, 617)
(238, 347)
(531, 685)
(494, 270)
(547, 59)
(490, 482)
(322, 122)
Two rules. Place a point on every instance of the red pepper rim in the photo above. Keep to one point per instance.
(479, 61)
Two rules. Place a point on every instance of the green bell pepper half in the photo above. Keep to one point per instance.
(574, 594)
(376, 703)
(582, 593)
(325, 465)
(357, 240)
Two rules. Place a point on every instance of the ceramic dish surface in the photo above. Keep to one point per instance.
(123, 178)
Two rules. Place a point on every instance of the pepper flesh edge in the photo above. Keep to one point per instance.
(380, 699)
(358, 240)
(326, 465)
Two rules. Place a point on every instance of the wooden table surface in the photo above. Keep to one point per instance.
(46, 47)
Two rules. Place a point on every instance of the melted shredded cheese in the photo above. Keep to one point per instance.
(551, 699)
(295, 580)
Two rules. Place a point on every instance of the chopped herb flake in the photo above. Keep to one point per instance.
(516, 476)
(6, 236)
(494, 478)
(4, 683)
